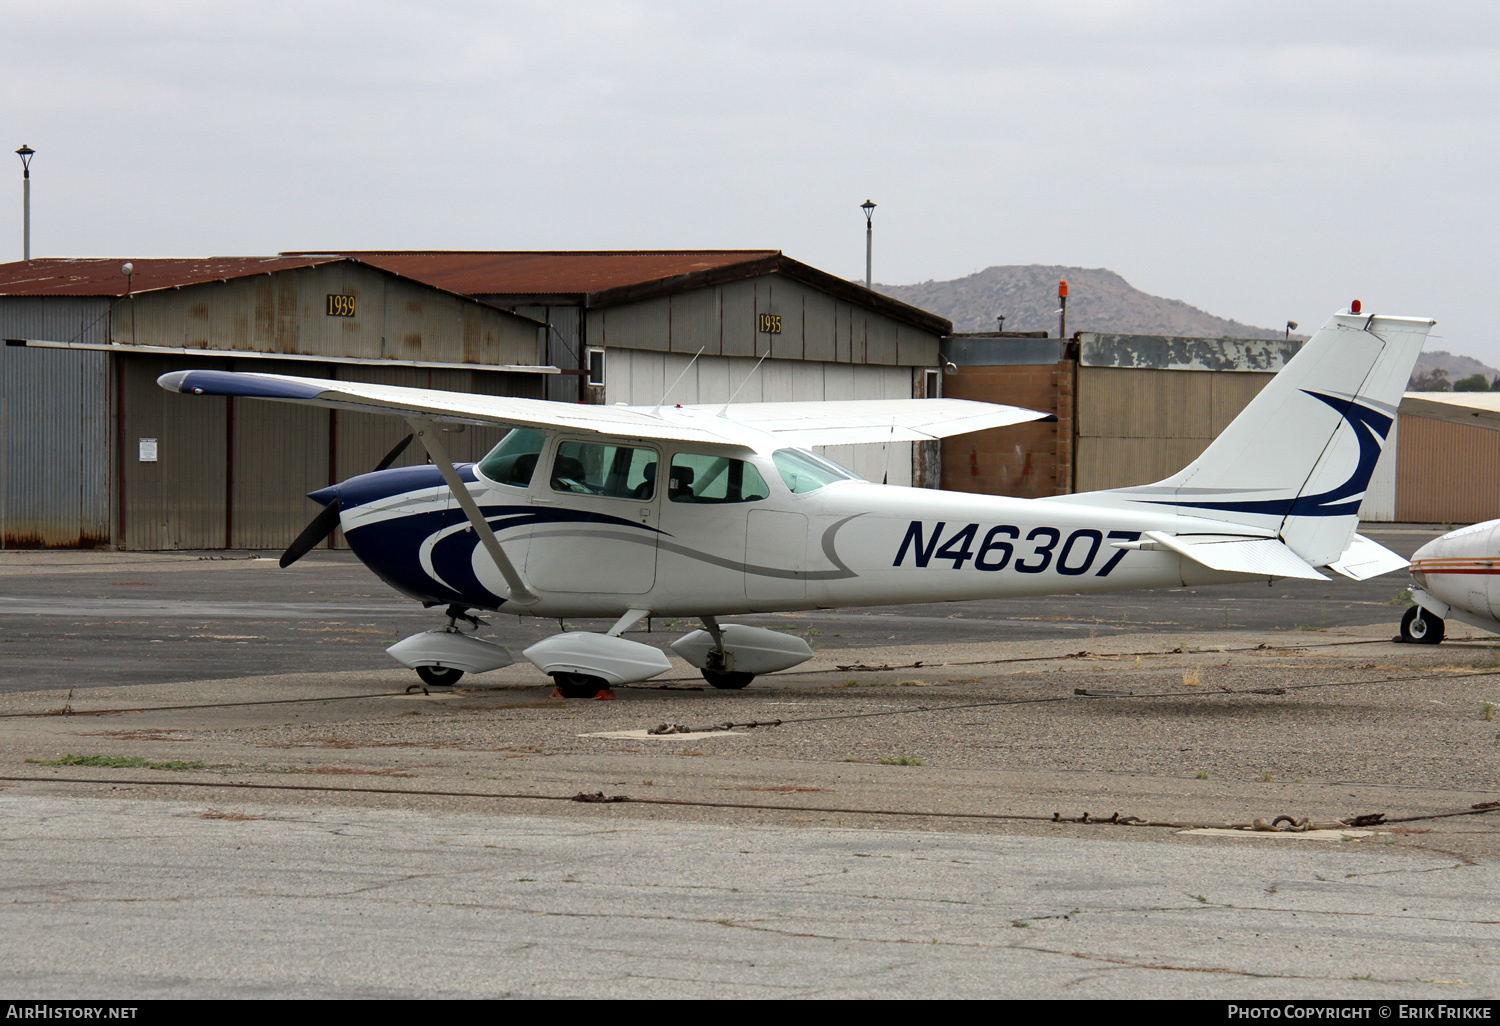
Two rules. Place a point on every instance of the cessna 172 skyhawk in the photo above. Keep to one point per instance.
(707, 512)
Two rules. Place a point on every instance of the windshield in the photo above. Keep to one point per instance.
(514, 459)
(804, 471)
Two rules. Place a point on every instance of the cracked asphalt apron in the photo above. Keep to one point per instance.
(151, 899)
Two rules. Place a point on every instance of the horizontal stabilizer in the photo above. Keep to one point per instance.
(1364, 559)
(1237, 554)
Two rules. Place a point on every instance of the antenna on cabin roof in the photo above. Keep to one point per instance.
(736, 392)
(673, 385)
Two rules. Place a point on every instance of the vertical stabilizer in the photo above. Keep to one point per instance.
(1298, 458)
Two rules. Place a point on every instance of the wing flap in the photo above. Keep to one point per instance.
(1261, 557)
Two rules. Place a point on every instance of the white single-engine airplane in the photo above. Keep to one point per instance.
(708, 511)
(1456, 576)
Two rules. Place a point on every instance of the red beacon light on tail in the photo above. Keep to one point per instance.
(1354, 307)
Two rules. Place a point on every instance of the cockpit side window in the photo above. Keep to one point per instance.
(616, 471)
(804, 471)
(513, 461)
(697, 477)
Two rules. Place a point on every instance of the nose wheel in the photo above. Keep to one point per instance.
(439, 676)
(579, 685)
(727, 680)
(1420, 627)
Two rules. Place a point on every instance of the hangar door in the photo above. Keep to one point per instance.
(639, 377)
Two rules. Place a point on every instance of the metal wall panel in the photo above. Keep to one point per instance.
(778, 299)
(738, 336)
(695, 322)
(560, 347)
(818, 327)
(54, 425)
(1136, 426)
(177, 501)
(725, 320)
(1446, 473)
(287, 312)
(1379, 505)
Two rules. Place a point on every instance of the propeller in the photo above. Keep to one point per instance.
(327, 521)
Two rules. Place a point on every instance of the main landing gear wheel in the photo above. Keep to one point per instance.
(1420, 627)
(439, 676)
(579, 685)
(727, 680)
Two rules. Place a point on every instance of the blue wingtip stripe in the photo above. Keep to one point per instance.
(228, 383)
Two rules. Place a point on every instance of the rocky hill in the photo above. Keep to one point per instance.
(1098, 300)
(1457, 368)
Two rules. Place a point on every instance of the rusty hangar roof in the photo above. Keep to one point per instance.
(599, 278)
(102, 276)
(547, 272)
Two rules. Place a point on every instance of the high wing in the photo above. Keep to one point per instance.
(752, 425)
(1479, 408)
(856, 421)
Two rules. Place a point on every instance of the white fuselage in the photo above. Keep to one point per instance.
(1458, 575)
(848, 543)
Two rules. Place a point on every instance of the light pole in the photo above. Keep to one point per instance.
(869, 209)
(25, 153)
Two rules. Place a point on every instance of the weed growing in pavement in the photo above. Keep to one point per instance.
(119, 762)
(1401, 598)
(234, 815)
(1265, 778)
(1200, 775)
(1486, 711)
(903, 760)
(1200, 898)
(1192, 677)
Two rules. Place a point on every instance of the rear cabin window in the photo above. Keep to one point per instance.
(616, 471)
(709, 479)
(803, 471)
(513, 461)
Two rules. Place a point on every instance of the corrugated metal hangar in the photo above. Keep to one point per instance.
(633, 321)
(1132, 409)
(95, 454)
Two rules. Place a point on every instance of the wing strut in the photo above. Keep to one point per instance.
(431, 438)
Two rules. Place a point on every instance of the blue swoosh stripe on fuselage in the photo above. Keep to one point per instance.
(392, 548)
(1367, 424)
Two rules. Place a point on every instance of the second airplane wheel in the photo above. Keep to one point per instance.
(727, 681)
(1419, 627)
(579, 685)
(439, 676)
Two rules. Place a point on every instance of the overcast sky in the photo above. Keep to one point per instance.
(1263, 161)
